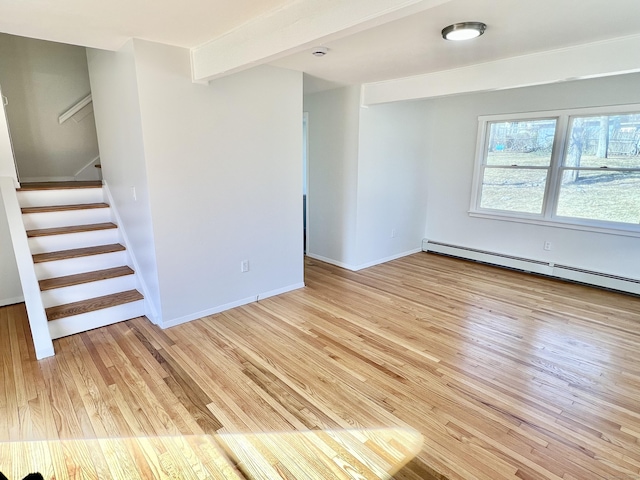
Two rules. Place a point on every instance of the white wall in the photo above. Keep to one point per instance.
(333, 174)
(42, 80)
(392, 193)
(10, 289)
(117, 112)
(366, 178)
(452, 128)
(224, 173)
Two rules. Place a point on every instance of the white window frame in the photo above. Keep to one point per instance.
(552, 189)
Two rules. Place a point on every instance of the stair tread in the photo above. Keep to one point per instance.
(80, 278)
(76, 252)
(43, 232)
(58, 185)
(92, 304)
(64, 208)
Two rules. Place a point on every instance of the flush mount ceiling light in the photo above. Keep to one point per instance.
(463, 31)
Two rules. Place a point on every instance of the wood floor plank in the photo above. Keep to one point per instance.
(505, 375)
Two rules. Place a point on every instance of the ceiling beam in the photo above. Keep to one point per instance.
(592, 60)
(295, 27)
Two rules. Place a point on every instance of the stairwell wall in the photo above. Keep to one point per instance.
(10, 289)
(42, 80)
(124, 167)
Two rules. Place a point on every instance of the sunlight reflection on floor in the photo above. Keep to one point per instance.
(321, 454)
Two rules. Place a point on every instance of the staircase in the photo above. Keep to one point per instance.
(80, 264)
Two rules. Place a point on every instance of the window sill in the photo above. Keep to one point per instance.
(619, 231)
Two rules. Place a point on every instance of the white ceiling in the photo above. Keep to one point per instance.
(413, 45)
(108, 24)
(409, 46)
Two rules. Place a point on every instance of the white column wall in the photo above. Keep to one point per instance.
(392, 190)
(225, 181)
(334, 118)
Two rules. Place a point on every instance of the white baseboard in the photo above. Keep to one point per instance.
(388, 259)
(355, 268)
(229, 306)
(331, 261)
(280, 291)
(11, 301)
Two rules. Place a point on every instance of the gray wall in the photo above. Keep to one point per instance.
(42, 80)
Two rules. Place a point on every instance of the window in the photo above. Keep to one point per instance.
(579, 168)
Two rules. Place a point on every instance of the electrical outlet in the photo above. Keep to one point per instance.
(244, 266)
(393, 233)
(133, 194)
(547, 246)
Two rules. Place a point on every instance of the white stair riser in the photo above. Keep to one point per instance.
(85, 291)
(71, 266)
(34, 221)
(47, 198)
(69, 241)
(88, 321)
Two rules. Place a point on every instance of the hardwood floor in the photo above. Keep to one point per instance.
(506, 375)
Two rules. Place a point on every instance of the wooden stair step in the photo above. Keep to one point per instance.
(77, 252)
(92, 304)
(64, 208)
(80, 278)
(43, 232)
(58, 185)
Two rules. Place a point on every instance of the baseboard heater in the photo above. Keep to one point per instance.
(565, 272)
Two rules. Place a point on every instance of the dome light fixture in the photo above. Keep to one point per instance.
(463, 31)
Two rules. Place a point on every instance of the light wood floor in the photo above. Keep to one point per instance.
(506, 375)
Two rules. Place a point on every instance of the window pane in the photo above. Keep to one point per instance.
(603, 195)
(612, 141)
(522, 143)
(513, 189)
